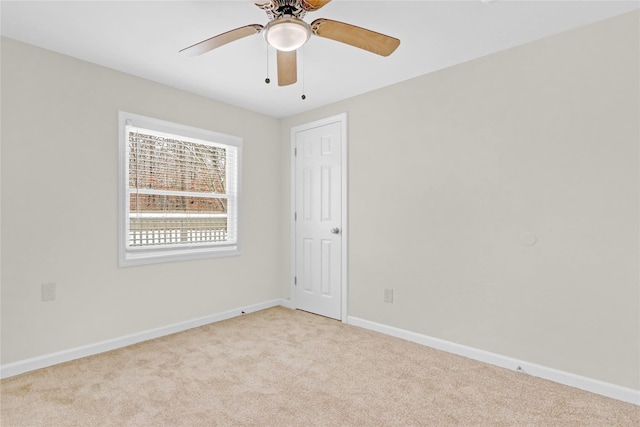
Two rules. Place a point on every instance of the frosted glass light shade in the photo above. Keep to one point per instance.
(287, 34)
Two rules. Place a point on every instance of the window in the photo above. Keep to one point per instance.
(179, 189)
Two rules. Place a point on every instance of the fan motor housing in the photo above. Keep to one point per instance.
(280, 8)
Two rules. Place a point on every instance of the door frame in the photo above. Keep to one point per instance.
(344, 223)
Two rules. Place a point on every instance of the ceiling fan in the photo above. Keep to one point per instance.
(286, 32)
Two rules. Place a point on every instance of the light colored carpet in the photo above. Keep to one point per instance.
(280, 367)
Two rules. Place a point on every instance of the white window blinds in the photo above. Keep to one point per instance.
(181, 193)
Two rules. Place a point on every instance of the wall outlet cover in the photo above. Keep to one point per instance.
(48, 291)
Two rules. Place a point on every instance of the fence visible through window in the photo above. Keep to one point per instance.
(151, 231)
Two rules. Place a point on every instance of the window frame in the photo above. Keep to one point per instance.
(131, 256)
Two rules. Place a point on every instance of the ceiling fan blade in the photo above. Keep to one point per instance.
(355, 36)
(313, 5)
(287, 68)
(221, 39)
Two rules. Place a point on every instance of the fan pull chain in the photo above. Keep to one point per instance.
(302, 66)
(267, 80)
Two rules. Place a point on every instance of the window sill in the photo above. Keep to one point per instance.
(133, 258)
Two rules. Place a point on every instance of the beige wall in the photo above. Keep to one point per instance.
(59, 208)
(450, 172)
(447, 173)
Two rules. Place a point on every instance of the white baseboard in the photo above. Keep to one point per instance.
(286, 303)
(566, 378)
(22, 366)
(594, 386)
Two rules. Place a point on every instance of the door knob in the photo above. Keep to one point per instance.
(335, 230)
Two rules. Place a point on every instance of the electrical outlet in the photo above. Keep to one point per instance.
(48, 291)
(388, 295)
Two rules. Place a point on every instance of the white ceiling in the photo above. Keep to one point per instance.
(143, 38)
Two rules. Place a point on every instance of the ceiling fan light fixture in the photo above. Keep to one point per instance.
(287, 34)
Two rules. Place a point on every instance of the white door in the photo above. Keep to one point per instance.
(318, 217)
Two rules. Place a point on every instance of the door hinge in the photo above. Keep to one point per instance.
(295, 280)
(295, 216)
(295, 151)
